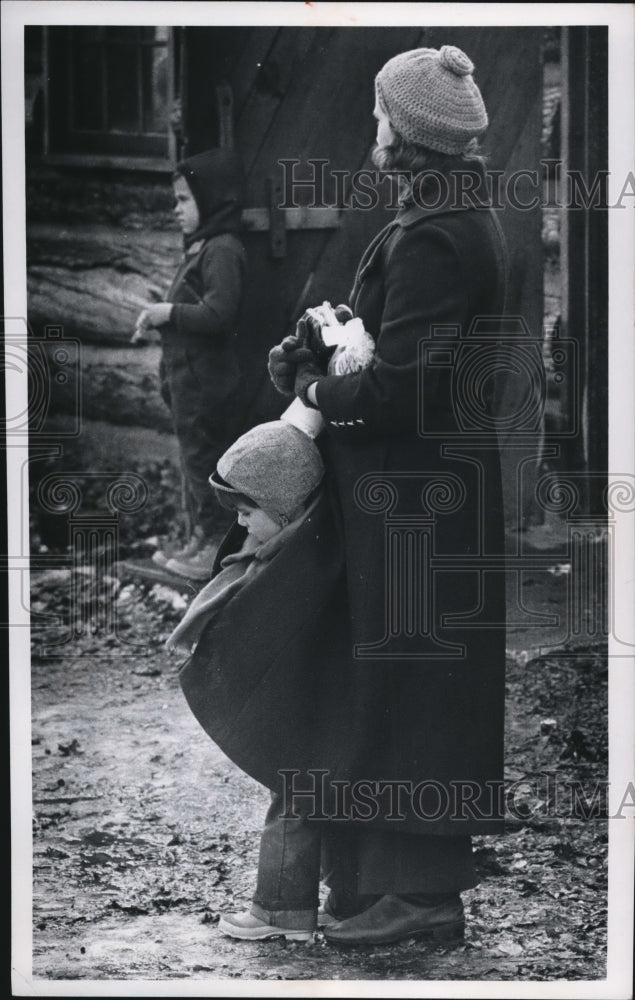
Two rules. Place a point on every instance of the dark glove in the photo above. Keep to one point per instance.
(285, 359)
(308, 371)
(343, 313)
(309, 333)
(282, 370)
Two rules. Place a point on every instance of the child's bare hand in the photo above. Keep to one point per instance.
(155, 314)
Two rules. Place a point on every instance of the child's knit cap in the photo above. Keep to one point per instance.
(274, 464)
(431, 98)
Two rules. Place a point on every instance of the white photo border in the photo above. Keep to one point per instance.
(620, 21)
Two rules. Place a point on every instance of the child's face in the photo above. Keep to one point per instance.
(257, 523)
(185, 209)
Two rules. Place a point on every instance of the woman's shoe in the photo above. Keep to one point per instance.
(248, 927)
(339, 906)
(396, 918)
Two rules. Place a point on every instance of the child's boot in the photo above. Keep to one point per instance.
(257, 924)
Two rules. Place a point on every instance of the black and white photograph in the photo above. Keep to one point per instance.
(319, 440)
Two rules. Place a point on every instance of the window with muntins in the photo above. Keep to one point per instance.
(109, 93)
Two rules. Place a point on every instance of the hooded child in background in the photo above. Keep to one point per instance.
(197, 322)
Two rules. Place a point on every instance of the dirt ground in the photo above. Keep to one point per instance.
(144, 832)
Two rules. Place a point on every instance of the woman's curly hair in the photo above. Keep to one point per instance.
(414, 161)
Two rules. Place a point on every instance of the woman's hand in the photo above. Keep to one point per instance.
(309, 331)
(293, 367)
(308, 372)
(283, 364)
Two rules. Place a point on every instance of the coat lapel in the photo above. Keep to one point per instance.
(370, 256)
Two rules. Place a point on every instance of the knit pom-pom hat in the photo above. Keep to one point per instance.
(274, 464)
(431, 98)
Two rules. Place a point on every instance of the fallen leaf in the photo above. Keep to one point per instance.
(509, 947)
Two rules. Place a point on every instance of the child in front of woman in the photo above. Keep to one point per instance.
(267, 478)
(271, 478)
(258, 670)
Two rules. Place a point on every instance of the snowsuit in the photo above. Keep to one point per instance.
(199, 368)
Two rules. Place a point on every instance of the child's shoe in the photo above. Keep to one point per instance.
(197, 566)
(256, 925)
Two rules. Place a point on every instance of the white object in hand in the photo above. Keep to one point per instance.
(354, 349)
(324, 314)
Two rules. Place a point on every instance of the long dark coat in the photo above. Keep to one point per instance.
(416, 472)
(393, 672)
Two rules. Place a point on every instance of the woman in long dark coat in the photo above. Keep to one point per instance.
(365, 666)
(416, 476)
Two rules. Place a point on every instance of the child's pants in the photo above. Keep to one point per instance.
(355, 860)
(203, 424)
